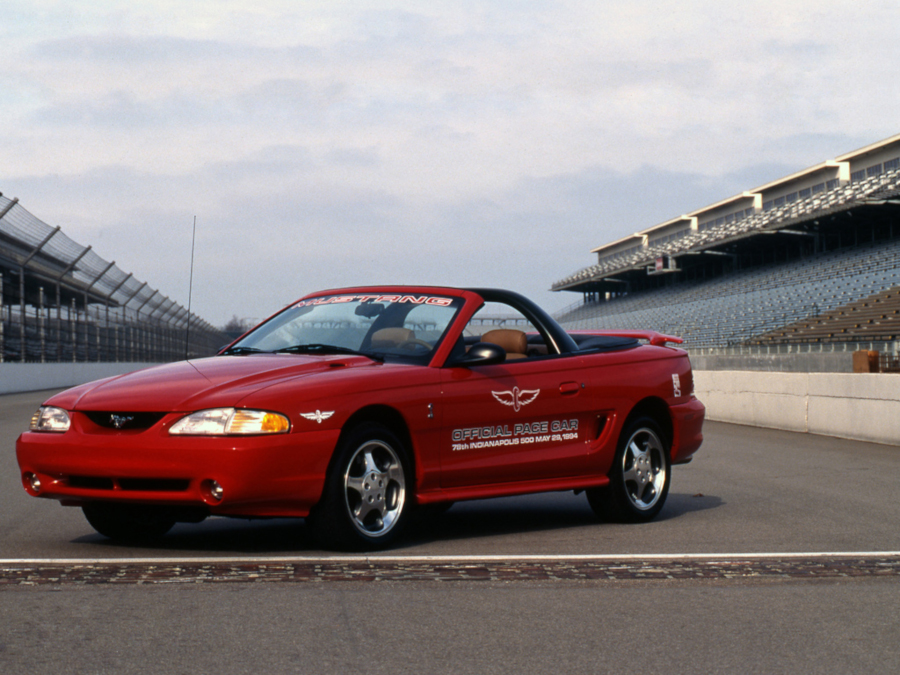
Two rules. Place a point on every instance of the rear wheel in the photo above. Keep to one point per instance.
(127, 522)
(366, 503)
(639, 478)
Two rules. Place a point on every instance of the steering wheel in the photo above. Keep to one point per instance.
(414, 344)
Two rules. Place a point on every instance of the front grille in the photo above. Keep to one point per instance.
(91, 482)
(154, 484)
(129, 484)
(124, 421)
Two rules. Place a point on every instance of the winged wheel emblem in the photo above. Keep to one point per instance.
(318, 416)
(517, 397)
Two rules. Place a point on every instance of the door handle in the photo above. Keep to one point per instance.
(569, 388)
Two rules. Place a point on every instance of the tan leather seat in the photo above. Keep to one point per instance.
(387, 338)
(514, 342)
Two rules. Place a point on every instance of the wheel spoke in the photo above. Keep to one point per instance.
(635, 449)
(639, 490)
(394, 474)
(369, 461)
(630, 475)
(363, 510)
(355, 483)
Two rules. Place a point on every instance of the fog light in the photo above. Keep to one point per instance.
(216, 490)
(33, 482)
(211, 491)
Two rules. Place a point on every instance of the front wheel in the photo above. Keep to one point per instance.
(639, 478)
(366, 501)
(127, 522)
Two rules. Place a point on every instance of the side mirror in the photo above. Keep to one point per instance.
(482, 354)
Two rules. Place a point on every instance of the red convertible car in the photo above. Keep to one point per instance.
(353, 407)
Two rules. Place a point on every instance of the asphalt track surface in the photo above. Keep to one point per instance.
(775, 552)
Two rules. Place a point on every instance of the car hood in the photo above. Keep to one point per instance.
(202, 383)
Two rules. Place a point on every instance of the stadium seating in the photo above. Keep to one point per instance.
(874, 318)
(735, 308)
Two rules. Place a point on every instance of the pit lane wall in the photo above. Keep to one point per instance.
(22, 377)
(857, 406)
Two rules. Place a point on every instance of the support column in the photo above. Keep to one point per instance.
(22, 267)
(59, 330)
(22, 315)
(2, 345)
(98, 339)
(41, 332)
(73, 329)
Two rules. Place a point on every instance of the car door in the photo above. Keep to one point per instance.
(519, 420)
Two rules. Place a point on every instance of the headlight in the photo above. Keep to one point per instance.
(231, 421)
(48, 418)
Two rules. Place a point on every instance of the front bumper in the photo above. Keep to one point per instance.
(277, 475)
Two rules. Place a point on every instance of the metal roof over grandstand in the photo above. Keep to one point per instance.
(794, 205)
(47, 255)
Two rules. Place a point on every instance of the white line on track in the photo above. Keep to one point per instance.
(400, 559)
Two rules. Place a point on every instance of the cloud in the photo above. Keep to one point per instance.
(330, 143)
(258, 249)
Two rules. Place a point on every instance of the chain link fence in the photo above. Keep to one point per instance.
(61, 302)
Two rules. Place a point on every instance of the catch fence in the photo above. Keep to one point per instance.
(61, 302)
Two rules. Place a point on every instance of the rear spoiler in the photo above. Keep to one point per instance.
(654, 338)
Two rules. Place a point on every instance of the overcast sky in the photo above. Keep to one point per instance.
(325, 144)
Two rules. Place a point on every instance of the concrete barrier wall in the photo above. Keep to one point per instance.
(806, 362)
(21, 377)
(857, 406)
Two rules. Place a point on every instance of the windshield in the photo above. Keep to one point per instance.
(404, 327)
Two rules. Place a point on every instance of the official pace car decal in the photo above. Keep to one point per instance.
(375, 297)
(517, 397)
(676, 385)
(526, 433)
(318, 416)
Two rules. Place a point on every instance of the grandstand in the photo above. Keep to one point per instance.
(812, 257)
(61, 302)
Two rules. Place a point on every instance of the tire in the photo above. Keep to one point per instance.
(366, 501)
(639, 478)
(127, 522)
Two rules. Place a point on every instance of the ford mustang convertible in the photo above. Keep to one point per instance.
(353, 408)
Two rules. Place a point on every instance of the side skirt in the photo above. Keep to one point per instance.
(510, 489)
